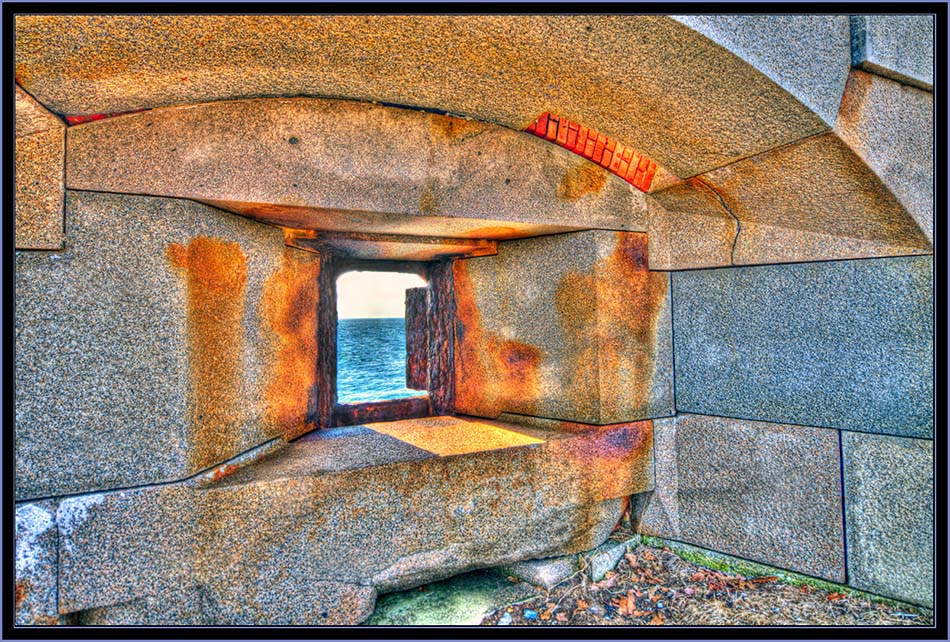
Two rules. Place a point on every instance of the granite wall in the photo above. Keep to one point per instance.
(165, 338)
(804, 429)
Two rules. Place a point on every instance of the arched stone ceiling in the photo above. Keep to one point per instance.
(648, 81)
(737, 112)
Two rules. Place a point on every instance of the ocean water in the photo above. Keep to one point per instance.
(371, 360)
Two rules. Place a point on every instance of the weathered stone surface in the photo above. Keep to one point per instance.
(572, 326)
(890, 126)
(813, 200)
(889, 501)
(259, 536)
(36, 543)
(898, 47)
(341, 165)
(766, 492)
(165, 339)
(327, 603)
(460, 601)
(808, 56)
(39, 158)
(603, 559)
(576, 66)
(547, 572)
(838, 344)
(389, 247)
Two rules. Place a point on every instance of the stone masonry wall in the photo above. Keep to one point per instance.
(163, 339)
(804, 433)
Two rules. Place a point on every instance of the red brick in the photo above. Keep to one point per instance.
(591, 143)
(598, 148)
(648, 176)
(562, 133)
(572, 136)
(552, 129)
(622, 170)
(617, 158)
(541, 125)
(581, 140)
(638, 179)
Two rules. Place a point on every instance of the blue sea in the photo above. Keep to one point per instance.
(371, 360)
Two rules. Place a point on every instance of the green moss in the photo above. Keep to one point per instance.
(737, 566)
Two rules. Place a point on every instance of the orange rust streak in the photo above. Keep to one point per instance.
(22, 589)
(492, 374)
(216, 275)
(581, 179)
(290, 300)
(610, 317)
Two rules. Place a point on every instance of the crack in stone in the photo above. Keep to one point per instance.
(727, 210)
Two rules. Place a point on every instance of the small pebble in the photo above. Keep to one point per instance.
(504, 620)
(530, 615)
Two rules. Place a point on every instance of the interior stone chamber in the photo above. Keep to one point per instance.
(694, 293)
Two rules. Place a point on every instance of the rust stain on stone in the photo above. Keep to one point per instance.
(610, 317)
(22, 590)
(454, 129)
(581, 178)
(216, 275)
(492, 374)
(290, 300)
(498, 232)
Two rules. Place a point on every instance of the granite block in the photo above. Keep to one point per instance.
(841, 344)
(891, 127)
(573, 326)
(157, 344)
(314, 164)
(766, 492)
(258, 542)
(603, 559)
(36, 564)
(889, 503)
(547, 572)
(816, 199)
(808, 56)
(898, 47)
(39, 157)
(686, 102)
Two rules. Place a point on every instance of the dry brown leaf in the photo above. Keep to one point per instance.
(836, 596)
(657, 619)
(641, 613)
(697, 577)
(561, 617)
(631, 559)
(765, 578)
(545, 615)
(581, 605)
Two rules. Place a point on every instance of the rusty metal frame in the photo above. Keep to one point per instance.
(441, 390)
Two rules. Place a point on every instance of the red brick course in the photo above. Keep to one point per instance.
(617, 158)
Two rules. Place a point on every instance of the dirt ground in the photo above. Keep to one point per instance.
(653, 586)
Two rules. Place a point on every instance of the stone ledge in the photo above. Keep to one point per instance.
(366, 506)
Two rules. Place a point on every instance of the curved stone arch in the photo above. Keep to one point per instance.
(649, 81)
(717, 101)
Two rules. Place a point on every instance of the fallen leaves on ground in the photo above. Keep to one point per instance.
(654, 587)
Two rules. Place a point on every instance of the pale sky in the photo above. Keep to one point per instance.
(373, 295)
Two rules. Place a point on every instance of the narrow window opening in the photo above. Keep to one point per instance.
(371, 336)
